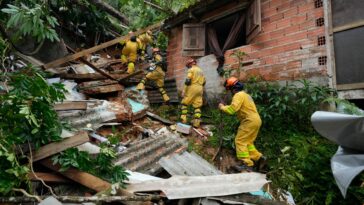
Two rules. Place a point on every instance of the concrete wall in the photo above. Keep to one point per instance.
(285, 50)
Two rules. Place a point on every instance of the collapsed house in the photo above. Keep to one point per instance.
(100, 98)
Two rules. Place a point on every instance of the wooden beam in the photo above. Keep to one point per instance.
(89, 76)
(56, 147)
(227, 10)
(351, 86)
(48, 177)
(154, 116)
(70, 106)
(86, 179)
(349, 26)
(97, 48)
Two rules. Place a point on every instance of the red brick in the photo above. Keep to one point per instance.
(290, 12)
(268, 12)
(275, 3)
(292, 46)
(319, 13)
(316, 32)
(298, 2)
(296, 36)
(269, 27)
(306, 7)
(276, 34)
(294, 64)
(291, 29)
(296, 20)
(284, 6)
(307, 25)
(283, 23)
(276, 17)
(263, 37)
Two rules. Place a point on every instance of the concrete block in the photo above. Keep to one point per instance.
(183, 128)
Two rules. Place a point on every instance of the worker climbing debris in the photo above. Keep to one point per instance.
(144, 40)
(129, 53)
(193, 92)
(157, 74)
(243, 105)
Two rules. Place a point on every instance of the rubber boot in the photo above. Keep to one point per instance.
(131, 68)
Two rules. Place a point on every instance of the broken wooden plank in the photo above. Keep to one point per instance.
(48, 177)
(56, 147)
(89, 76)
(154, 116)
(97, 48)
(70, 106)
(93, 66)
(86, 179)
(103, 89)
(102, 86)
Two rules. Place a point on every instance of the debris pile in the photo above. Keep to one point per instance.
(102, 102)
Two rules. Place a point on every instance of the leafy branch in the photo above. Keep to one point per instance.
(35, 22)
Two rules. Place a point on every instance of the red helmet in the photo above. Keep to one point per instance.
(190, 62)
(155, 50)
(230, 82)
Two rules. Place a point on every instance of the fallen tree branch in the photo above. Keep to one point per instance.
(27, 194)
(110, 10)
(32, 169)
(155, 6)
(79, 199)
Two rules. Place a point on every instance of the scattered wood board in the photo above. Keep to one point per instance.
(47, 177)
(154, 116)
(96, 48)
(86, 179)
(56, 147)
(70, 106)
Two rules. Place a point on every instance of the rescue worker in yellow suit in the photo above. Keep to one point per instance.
(129, 53)
(144, 40)
(193, 92)
(243, 105)
(156, 74)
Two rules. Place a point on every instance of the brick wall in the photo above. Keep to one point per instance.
(286, 49)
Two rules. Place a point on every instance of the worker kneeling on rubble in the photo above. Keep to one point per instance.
(193, 92)
(129, 53)
(243, 105)
(157, 74)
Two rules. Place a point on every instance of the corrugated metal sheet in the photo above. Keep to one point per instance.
(170, 86)
(97, 112)
(181, 187)
(143, 156)
(188, 164)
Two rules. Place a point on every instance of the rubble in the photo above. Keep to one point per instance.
(99, 96)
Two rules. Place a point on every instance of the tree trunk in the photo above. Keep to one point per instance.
(111, 10)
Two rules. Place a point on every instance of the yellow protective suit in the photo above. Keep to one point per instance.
(243, 105)
(193, 95)
(143, 41)
(157, 76)
(129, 55)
